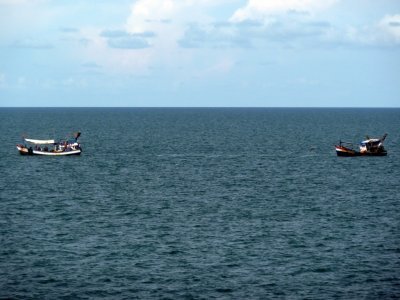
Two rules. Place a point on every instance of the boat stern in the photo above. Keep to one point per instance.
(343, 151)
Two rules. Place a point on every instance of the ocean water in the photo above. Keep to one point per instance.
(200, 204)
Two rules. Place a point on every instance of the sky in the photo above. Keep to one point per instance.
(200, 53)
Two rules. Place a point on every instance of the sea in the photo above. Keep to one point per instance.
(200, 203)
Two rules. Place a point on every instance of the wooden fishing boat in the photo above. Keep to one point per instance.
(368, 147)
(51, 147)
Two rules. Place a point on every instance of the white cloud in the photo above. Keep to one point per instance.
(75, 82)
(145, 13)
(116, 60)
(260, 9)
(30, 43)
(287, 21)
(168, 20)
(15, 2)
(225, 65)
(390, 27)
(20, 82)
(385, 32)
(26, 21)
(154, 15)
(188, 24)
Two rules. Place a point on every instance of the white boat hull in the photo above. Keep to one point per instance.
(25, 151)
(72, 152)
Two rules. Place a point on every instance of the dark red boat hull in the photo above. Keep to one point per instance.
(346, 152)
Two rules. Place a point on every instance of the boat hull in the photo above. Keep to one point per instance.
(29, 151)
(346, 152)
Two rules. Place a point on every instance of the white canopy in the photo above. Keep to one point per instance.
(42, 142)
(371, 141)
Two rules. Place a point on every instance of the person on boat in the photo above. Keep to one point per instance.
(363, 150)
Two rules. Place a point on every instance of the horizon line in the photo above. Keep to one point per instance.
(279, 107)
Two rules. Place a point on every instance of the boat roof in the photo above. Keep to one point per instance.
(41, 142)
(371, 141)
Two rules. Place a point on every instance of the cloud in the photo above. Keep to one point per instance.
(84, 41)
(156, 13)
(262, 22)
(125, 40)
(394, 24)
(160, 29)
(167, 19)
(91, 65)
(128, 43)
(114, 33)
(289, 28)
(390, 27)
(105, 48)
(123, 33)
(170, 19)
(91, 68)
(296, 30)
(73, 82)
(260, 9)
(16, 2)
(225, 65)
(215, 35)
(69, 30)
(12, 82)
(383, 33)
(296, 22)
(144, 12)
(30, 43)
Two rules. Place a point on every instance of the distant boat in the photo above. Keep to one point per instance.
(369, 147)
(51, 147)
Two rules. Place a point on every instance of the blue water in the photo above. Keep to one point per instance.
(200, 204)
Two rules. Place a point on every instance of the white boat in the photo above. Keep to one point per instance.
(51, 147)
